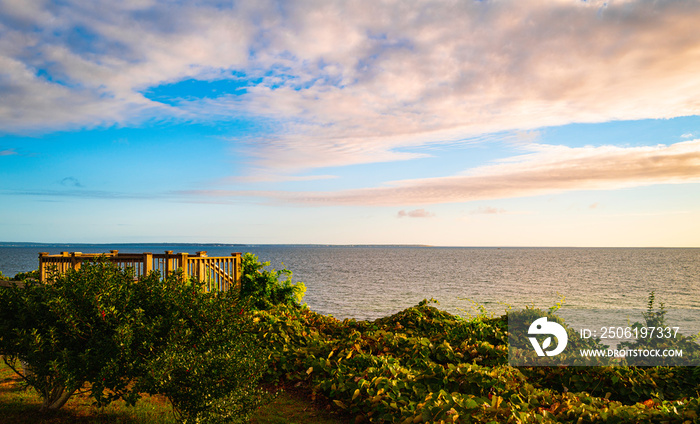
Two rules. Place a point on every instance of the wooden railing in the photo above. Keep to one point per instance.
(219, 273)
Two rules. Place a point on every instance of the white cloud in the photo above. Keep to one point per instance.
(351, 82)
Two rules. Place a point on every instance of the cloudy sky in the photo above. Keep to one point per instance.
(454, 123)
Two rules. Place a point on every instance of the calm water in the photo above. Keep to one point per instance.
(372, 282)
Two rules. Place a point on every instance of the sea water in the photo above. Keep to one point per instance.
(369, 282)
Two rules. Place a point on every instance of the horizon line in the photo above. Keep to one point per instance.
(29, 244)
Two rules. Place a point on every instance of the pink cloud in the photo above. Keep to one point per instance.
(487, 211)
(548, 169)
(417, 213)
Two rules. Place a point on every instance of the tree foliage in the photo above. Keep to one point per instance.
(21, 276)
(266, 288)
(100, 328)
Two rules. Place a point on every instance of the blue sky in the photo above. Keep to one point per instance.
(485, 123)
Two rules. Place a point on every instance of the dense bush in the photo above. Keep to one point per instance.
(265, 287)
(122, 337)
(426, 365)
(21, 276)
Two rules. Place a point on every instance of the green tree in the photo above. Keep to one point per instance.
(99, 325)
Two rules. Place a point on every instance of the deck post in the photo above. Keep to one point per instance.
(183, 262)
(147, 263)
(237, 269)
(200, 268)
(167, 262)
(75, 261)
(42, 266)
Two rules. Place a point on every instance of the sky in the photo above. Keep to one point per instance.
(448, 123)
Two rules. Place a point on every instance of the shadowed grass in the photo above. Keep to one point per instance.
(21, 406)
(295, 407)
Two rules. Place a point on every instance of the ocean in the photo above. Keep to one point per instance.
(369, 282)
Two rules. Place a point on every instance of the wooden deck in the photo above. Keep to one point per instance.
(219, 273)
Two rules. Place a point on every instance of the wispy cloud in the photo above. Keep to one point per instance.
(416, 213)
(71, 182)
(546, 170)
(267, 176)
(350, 84)
(79, 192)
(8, 152)
(487, 210)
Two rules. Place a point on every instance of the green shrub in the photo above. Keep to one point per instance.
(98, 325)
(426, 365)
(211, 362)
(21, 276)
(266, 288)
(664, 336)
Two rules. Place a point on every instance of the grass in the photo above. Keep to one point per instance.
(19, 406)
(295, 407)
